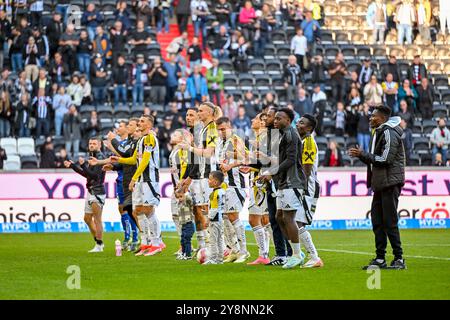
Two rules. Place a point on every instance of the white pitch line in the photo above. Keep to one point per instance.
(352, 252)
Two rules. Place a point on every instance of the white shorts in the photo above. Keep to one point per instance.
(258, 204)
(173, 205)
(306, 213)
(234, 200)
(146, 194)
(90, 199)
(289, 199)
(200, 191)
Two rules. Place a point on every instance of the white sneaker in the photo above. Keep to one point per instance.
(313, 263)
(97, 248)
(231, 257)
(209, 262)
(242, 257)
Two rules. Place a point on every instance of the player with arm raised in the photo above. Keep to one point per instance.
(144, 186)
(310, 162)
(95, 198)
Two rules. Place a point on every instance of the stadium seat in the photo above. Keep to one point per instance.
(326, 37)
(350, 142)
(262, 82)
(417, 128)
(122, 111)
(230, 82)
(331, 51)
(246, 81)
(25, 146)
(421, 145)
(328, 127)
(440, 111)
(322, 142)
(341, 37)
(12, 163)
(348, 51)
(274, 66)
(105, 111)
(445, 96)
(379, 52)
(441, 82)
(270, 51)
(278, 36)
(347, 161)
(443, 52)
(29, 162)
(357, 163)
(10, 145)
(85, 110)
(278, 82)
(226, 65)
(434, 67)
(256, 66)
(428, 126)
(283, 51)
(340, 141)
(425, 159)
(346, 8)
(414, 160)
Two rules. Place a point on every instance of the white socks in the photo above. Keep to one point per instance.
(230, 236)
(260, 237)
(268, 232)
(176, 221)
(306, 240)
(295, 248)
(201, 236)
(240, 233)
(155, 230)
(144, 225)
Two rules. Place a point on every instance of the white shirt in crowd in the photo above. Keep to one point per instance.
(299, 45)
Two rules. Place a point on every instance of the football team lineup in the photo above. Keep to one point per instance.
(209, 165)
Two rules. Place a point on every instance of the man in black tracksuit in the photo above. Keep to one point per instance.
(95, 199)
(282, 247)
(386, 176)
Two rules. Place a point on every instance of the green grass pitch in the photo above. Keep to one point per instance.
(33, 266)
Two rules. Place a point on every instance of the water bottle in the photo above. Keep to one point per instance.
(118, 248)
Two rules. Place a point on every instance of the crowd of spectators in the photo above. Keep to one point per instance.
(51, 67)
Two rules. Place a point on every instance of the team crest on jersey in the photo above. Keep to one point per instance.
(309, 155)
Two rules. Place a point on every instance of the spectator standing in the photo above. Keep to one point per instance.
(340, 117)
(390, 89)
(392, 68)
(240, 57)
(405, 18)
(408, 93)
(122, 14)
(84, 52)
(263, 26)
(3, 157)
(318, 71)
(158, 79)
(164, 16)
(299, 47)
(222, 42)
(48, 156)
(118, 37)
(373, 92)
(199, 15)
(242, 123)
(197, 86)
(405, 114)
(223, 10)
(58, 69)
(54, 31)
(41, 112)
(101, 44)
(444, 15)
(425, 98)
(62, 8)
(423, 10)
(247, 18)
(365, 71)
(98, 80)
(407, 140)
(92, 127)
(311, 29)
(87, 90)
(91, 18)
(139, 78)
(230, 108)
(6, 114)
(61, 104)
(195, 53)
(24, 113)
(183, 11)
(182, 97)
(72, 131)
(42, 82)
(75, 90)
(68, 43)
(214, 76)
(175, 115)
(379, 22)
(22, 85)
(318, 94)
(173, 73)
(303, 104)
(292, 78)
(417, 71)
(337, 71)
(42, 45)
(20, 36)
(140, 39)
(251, 105)
(363, 127)
(333, 155)
(120, 81)
(31, 59)
(178, 44)
(144, 12)
(354, 98)
(5, 34)
(440, 140)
